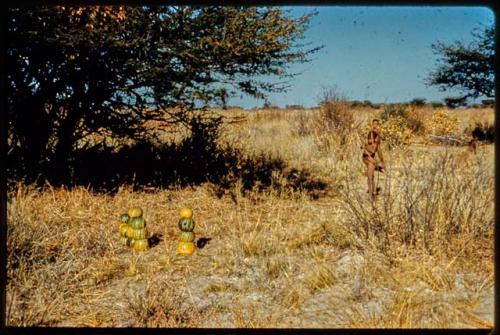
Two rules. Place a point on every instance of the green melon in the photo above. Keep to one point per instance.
(139, 234)
(187, 236)
(137, 223)
(186, 224)
(124, 218)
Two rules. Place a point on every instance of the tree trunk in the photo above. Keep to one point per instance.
(66, 138)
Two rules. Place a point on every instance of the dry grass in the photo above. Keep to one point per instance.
(421, 256)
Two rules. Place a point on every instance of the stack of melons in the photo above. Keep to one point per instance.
(134, 234)
(186, 225)
(124, 219)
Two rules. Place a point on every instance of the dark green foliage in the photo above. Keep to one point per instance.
(437, 104)
(70, 77)
(455, 102)
(470, 69)
(418, 102)
(294, 107)
(488, 102)
(483, 132)
(367, 103)
(268, 105)
(355, 103)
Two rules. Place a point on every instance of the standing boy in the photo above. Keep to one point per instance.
(372, 147)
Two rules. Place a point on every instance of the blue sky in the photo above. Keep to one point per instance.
(381, 54)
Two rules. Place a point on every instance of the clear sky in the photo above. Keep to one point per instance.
(381, 54)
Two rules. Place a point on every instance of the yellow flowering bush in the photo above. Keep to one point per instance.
(397, 131)
(442, 122)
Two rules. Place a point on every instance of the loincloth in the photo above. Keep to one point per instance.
(369, 158)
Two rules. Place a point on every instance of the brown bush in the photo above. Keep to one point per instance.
(334, 116)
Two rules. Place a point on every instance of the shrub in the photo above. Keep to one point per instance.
(303, 125)
(367, 103)
(393, 110)
(268, 105)
(356, 103)
(437, 104)
(395, 125)
(442, 122)
(294, 107)
(331, 94)
(335, 116)
(455, 102)
(416, 119)
(332, 124)
(482, 131)
(429, 209)
(418, 102)
(397, 131)
(488, 103)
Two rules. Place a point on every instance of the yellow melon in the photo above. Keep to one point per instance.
(185, 248)
(186, 213)
(135, 212)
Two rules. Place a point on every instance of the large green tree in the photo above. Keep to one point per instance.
(78, 71)
(467, 68)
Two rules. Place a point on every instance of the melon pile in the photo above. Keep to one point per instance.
(186, 225)
(133, 229)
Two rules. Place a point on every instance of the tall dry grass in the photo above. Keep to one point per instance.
(420, 256)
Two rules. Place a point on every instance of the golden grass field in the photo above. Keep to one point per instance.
(421, 256)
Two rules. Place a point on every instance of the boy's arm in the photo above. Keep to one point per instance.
(381, 134)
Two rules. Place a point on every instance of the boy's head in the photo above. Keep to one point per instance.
(375, 123)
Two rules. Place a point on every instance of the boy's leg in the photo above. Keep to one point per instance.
(370, 165)
(371, 179)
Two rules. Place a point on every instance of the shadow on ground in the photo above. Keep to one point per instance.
(197, 159)
(154, 240)
(202, 242)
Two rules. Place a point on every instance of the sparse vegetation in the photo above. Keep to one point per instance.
(283, 250)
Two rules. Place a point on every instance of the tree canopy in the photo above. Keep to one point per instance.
(77, 71)
(468, 68)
